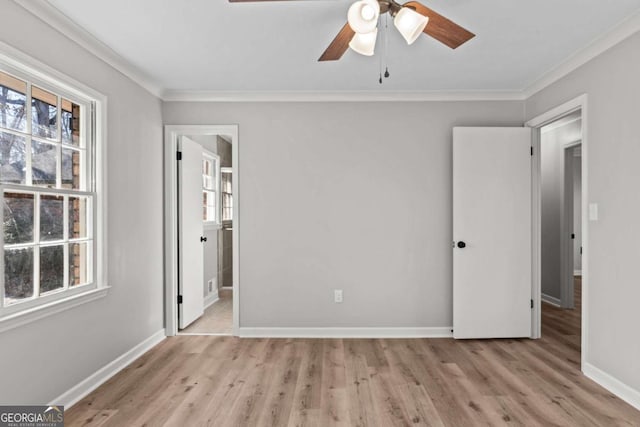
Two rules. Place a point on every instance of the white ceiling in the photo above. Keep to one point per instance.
(212, 45)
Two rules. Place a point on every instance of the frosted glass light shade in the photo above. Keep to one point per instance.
(364, 44)
(363, 16)
(410, 24)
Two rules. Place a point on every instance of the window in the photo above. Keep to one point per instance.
(210, 188)
(48, 184)
(227, 196)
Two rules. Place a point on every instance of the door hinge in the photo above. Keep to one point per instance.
(573, 236)
(532, 151)
(179, 299)
(178, 155)
(531, 303)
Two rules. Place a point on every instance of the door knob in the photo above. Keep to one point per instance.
(203, 239)
(462, 244)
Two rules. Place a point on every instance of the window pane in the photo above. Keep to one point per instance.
(51, 268)
(13, 99)
(44, 120)
(70, 123)
(18, 274)
(51, 217)
(70, 168)
(77, 217)
(12, 158)
(207, 182)
(44, 163)
(78, 264)
(209, 203)
(18, 218)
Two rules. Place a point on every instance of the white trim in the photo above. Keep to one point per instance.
(577, 272)
(622, 31)
(38, 312)
(614, 385)
(102, 375)
(211, 298)
(171, 134)
(57, 20)
(551, 300)
(337, 96)
(408, 332)
(579, 103)
(206, 334)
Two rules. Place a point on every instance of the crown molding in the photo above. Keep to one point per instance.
(52, 16)
(336, 96)
(622, 31)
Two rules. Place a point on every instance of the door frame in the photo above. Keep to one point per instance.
(171, 135)
(579, 103)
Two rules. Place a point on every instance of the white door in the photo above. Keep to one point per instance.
(491, 232)
(190, 230)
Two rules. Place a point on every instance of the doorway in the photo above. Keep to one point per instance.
(560, 227)
(201, 222)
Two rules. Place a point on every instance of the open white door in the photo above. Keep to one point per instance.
(190, 232)
(491, 232)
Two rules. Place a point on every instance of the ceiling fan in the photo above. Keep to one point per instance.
(411, 19)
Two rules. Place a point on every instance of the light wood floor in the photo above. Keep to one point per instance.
(217, 318)
(226, 381)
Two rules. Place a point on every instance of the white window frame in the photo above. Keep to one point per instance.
(229, 171)
(217, 222)
(94, 106)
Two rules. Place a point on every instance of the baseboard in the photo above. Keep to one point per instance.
(614, 385)
(83, 388)
(439, 332)
(211, 298)
(577, 272)
(551, 300)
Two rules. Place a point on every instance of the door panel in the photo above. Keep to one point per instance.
(190, 217)
(492, 217)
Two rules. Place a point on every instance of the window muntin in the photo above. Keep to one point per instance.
(48, 195)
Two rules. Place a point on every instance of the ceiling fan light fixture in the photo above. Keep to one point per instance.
(364, 44)
(410, 24)
(363, 16)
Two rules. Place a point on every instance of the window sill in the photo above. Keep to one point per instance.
(27, 316)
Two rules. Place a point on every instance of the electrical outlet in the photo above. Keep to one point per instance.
(210, 285)
(337, 295)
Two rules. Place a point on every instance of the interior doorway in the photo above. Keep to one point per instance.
(560, 198)
(201, 230)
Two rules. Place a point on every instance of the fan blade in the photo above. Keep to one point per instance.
(441, 28)
(339, 45)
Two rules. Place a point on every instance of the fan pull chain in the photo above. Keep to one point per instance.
(384, 29)
(385, 36)
(386, 46)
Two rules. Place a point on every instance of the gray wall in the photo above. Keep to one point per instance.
(612, 84)
(552, 146)
(225, 236)
(41, 360)
(352, 196)
(577, 209)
